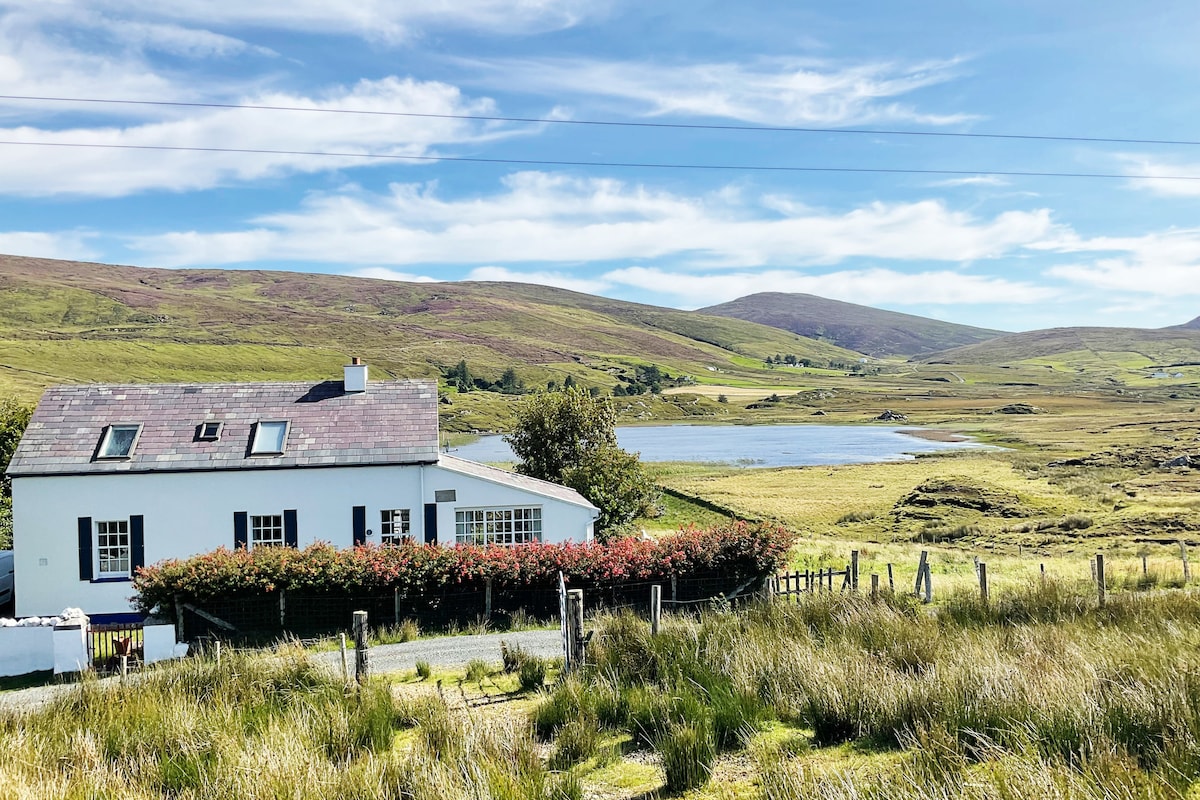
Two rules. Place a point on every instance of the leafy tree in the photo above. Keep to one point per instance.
(14, 417)
(460, 377)
(510, 383)
(554, 431)
(615, 482)
(569, 437)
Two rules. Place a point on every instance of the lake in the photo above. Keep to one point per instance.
(753, 445)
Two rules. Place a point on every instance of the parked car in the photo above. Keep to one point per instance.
(6, 579)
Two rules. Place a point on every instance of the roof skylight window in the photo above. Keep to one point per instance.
(119, 440)
(269, 438)
(208, 431)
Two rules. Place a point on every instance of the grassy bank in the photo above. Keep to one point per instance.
(264, 726)
(1038, 694)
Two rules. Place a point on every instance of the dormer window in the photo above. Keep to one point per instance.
(208, 431)
(119, 440)
(270, 436)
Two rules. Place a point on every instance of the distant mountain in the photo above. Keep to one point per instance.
(1193, 324)
(861, 328)
(1093, 350)
(66, 321)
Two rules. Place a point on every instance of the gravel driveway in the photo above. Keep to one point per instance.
(441, 651)
(451, 651)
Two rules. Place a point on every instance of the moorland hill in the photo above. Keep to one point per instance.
(868, 330)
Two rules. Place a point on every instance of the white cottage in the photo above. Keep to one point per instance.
(109, 478)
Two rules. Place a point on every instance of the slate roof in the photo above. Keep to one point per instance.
(514, 479)
(392, 422)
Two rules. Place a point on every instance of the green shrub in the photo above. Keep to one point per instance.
(477, 670)
(577, 741)
(424, 669)
(688, 752)
(532, 673)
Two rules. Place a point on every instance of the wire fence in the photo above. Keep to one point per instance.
(308, 615)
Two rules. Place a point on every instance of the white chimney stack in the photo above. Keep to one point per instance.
(356, 376)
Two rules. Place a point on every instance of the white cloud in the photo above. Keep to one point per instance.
(776, 91)
(559, 279)
(1186, 182)
(48, 170)
(545, 217)
(1165, 264)
(868, 287)
(371, 19)
(974, 180)
(385, 274)
(69, 245)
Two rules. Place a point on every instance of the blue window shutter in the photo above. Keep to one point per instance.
(431, 523)
(137, 544)
(240, 533)
(290, 535)
(360, 525)
(85, 548)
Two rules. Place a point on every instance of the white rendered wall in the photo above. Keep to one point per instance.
(187, 513)
(25, 650)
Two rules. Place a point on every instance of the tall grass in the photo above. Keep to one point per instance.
(265, 726)
(1040, 679)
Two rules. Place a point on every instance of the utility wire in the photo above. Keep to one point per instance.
(611, 123)
(622, 164)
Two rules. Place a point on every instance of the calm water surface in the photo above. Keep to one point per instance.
(753, 445)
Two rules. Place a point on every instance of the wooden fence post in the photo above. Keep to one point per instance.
(921, 571)
(655, 608)
(983, 582)
(891, 579)
(1187, 569)
(1042, 567)
(928, 583)
(218, 652)
(674, 588)
(1100, 587)
(362, 664)
(345, 668)
(575, 626)
(179, 632)
(487, 598)
(874, 586)
(1145, 566)
(854, 571)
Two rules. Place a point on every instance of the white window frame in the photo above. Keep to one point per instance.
(392, 519)
(106, 440)
(504, 526)
(256, 450)
(109, 553)
(202, 430)
(266, 530)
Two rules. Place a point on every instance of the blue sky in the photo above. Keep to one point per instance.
(1009, 252)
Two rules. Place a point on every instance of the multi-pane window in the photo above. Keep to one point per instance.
(118, 441)
(498, 525)
(266, 531)
(112, 549)
(394, 527)
(270, 437)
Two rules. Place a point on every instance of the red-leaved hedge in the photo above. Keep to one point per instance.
(737, 550)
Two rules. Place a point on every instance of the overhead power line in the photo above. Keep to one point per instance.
(622, 164)
(610, 123)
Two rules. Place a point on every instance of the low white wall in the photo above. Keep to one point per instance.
(70, 648)
(158, 643)
(25, 650)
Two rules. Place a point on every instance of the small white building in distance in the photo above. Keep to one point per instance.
(110, 478)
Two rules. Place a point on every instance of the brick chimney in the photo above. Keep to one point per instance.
(355, 376)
